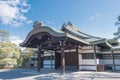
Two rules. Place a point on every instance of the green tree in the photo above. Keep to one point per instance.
(25, 57)
(117, 34)
(113, 42)
(9, 53)
(118, 21)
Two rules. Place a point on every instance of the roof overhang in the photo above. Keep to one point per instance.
(54, 33)
(41, 30)
(74, 35)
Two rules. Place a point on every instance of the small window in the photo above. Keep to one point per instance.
(87, 56)
(106, 56)
(116, 56)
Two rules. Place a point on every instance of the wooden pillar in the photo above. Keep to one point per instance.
(39, 58)
(95, 56)
(77, 56)
(113, 61)
(55, 58)
(51, 60)
(62, 57)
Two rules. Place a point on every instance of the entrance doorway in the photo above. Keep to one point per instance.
(58, 60)
(48, 61)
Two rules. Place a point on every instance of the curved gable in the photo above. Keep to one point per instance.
(42, 29)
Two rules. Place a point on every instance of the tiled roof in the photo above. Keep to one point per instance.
(68, 30)
(72, 29)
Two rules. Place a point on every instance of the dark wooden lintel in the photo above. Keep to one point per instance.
(49, 42)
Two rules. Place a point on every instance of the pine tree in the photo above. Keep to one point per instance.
(117, 34)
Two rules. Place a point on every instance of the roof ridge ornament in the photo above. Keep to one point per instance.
(38, 24)
(69, 23)
(63, 26)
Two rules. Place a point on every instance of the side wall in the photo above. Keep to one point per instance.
(87, 61)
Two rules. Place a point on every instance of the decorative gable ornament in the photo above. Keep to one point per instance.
(38, 24)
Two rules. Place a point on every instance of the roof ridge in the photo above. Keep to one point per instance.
(76, 28)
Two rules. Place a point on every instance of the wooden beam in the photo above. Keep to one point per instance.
(39, 58)
(95, 56)
(49, 41)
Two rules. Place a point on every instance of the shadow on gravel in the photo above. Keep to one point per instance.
(48, 74)
(79, 76)
(16, 73)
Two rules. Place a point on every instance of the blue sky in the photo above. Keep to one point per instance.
(95, 17)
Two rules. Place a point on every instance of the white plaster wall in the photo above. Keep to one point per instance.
(117, 67)
(87, 51)
(106, 61)
(88, 61)
(99, 61)
(91, 61)
(87, 67)
(117, 61)
(109, 61)
(80, 60)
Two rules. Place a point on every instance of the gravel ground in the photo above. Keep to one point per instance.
(51, 74)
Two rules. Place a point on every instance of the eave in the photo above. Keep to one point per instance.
(40, 30)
